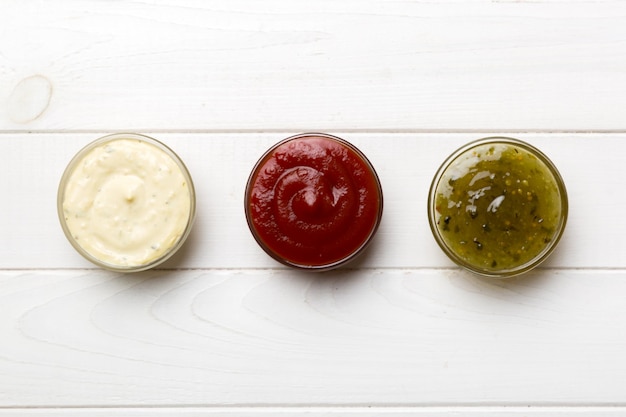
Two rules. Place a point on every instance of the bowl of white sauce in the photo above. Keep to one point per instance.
(126, 202)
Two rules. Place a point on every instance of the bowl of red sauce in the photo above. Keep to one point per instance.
(313, 201)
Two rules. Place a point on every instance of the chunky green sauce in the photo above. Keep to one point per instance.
(498, 207)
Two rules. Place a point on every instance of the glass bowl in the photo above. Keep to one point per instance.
(313, 201)
(126, 202)
(497, 207)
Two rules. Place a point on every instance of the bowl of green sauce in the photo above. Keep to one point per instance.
(497, 207)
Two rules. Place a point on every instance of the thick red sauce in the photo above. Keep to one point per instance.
(313, 201)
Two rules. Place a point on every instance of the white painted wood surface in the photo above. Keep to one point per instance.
(221, 329)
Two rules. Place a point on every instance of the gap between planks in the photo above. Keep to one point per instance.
(314, 411)
(296, 129)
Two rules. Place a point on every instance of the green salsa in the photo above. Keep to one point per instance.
(498, 207)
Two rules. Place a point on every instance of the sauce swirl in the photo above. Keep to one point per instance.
(313, 201)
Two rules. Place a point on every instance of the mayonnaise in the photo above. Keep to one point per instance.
(126, 202)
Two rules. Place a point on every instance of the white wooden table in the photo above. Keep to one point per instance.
(223, 330)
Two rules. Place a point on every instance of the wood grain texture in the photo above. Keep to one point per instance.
(223, 330)
(297, 65)
(347, 338)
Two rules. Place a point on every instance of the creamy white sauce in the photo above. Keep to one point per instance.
(127, 203)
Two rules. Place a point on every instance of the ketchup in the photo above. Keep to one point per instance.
(313, 201)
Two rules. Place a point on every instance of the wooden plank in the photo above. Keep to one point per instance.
(233, 65)
(321, 411)
(591, 164)
(275, 338)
